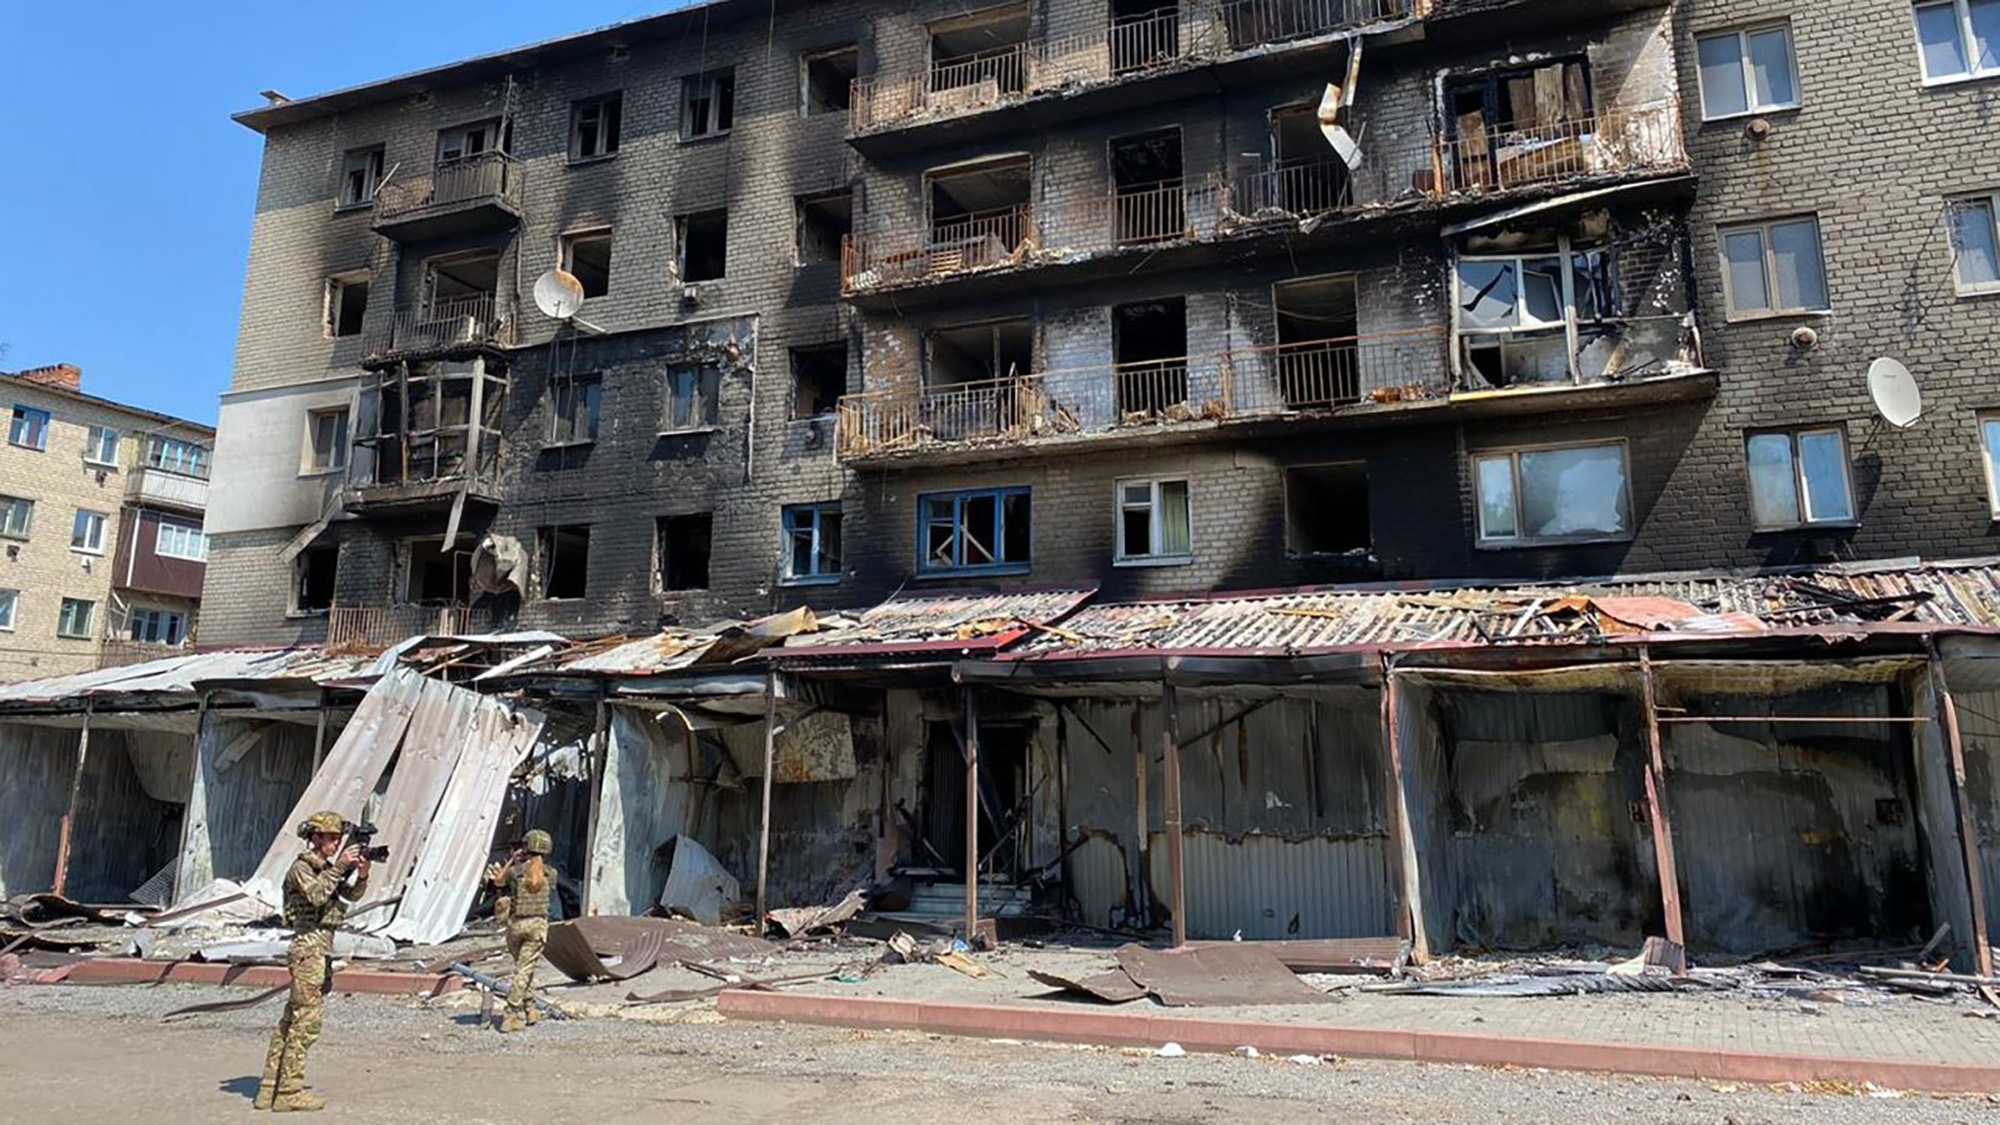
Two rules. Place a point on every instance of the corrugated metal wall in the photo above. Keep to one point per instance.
(122, 836)
(1979, 726)
(242, 806)
(1269, 887)
(37, 765)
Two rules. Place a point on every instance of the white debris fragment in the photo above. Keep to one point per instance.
(1171, 1051)
(1245, 1052)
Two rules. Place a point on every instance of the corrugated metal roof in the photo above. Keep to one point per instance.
(1940, 595)
(180, 674)
(939, 622)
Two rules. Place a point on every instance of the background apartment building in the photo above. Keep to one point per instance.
(101, 543)
(1061, 291)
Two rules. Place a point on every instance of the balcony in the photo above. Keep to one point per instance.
(115, 653)
(157, 487)
(455, 326)
(890, 113)
(982, 240)
(468, 195)
(428, 433)
(376, 627)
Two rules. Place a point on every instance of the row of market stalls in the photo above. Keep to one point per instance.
(1741, 763)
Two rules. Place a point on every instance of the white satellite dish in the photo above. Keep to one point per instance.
(1895, 393)
(559, 294)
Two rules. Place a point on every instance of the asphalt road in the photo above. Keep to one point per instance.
(76, 1054)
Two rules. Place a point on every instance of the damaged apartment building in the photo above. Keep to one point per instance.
(1016, 343)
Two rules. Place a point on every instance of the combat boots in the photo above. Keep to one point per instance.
(532, 1014)
(267, 1090)
(513, 1022)
(298, 1101)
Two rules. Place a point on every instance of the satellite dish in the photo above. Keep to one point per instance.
(559, 294)
(1894, 390)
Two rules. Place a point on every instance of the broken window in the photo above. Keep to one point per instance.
(17, 517)
(1773, 268)
(983, 530)
(819, 378)
(702, 245)
(1326, 509)
(326, 440)
(683, 551)
(463, 141)
(812, 542)
(75, 619)
(346, 303)
(1748, 70)
(1975, 245)
(1317, 364)
(709, 104)
(1515, 313)
(1149, 200)
(573, 405)
(978, 353)
(360, 175)
(1520, 126)
(1144, 33)
(1799, 478)
(314, 571)
(460, 286)
(1573, 493)
(1959, 38)
(587, 256)
(823, 223)
(594, 127)
(1149, 353)
(979, 212)
(564, 557)
(1307, 177)
(690, 393)
(1154, 522)
(434, 574)
(979, 56)
(86, 534)
(826, 80)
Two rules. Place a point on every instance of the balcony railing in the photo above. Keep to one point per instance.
(117, 653)
(1272, 381)
(379, 626)
(484, 176)
(148, 485)
(458, 322)
(1169, 36)
(978, 241)
(1613, 140)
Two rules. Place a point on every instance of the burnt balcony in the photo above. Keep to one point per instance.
(892, 256)
(429, 435)
(451, 326)
(376, 627)
(466, 195)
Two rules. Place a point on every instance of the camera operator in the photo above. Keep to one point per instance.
(317, 894)
(527, 881)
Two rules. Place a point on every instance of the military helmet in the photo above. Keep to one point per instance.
(330, 823)
(537, 842)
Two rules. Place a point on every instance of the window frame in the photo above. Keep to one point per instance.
(375, 157)
(83, 543)
(959, 498)
(818, 511)
(1742, 36)
(598, 102)
(1520, 538)
(93, 446)
(25, 413)
(1982, 419)
(576, 385)
(1962, 23)
(712, 126)
(8, 506)
(198, 461)
(89, 619)
(195, 534)
(1155, 554)
(334, 301)
(806, 59)
(1990, 200)
(160, 614)
(566, 254)
(10, 606)
(301, 570)
(1568, 325)
(1801, 496)
(309, 465)
(1763, 227)
(703, 374)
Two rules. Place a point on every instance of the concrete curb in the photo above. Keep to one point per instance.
(1135, 1030)
(131, 970)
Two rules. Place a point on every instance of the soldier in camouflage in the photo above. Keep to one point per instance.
(317, 893)
(526, 881)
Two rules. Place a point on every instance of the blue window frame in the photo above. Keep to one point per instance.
(812, 543)
(29, 428)
(981, 531)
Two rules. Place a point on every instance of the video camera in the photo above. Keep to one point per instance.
(360, 834)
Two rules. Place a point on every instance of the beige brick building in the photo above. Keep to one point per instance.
(101, 546)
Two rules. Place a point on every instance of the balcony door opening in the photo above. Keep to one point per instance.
(1316, 364)
(434, 575)
(1308, 179)
(978, 212)
(1149, 347)
(461, 285)
(1511, 127)
(1149, 203)
(974, 379)
(1144, 33)
(979, 56)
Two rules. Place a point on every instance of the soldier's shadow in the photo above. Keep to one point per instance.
(244, 1087)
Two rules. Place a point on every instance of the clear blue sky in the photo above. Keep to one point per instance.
(126, 191)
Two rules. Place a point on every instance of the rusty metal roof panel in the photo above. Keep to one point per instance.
(941, 621)
(181, 674)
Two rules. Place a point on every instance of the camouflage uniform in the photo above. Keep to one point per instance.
(317, 896)
(527, 928)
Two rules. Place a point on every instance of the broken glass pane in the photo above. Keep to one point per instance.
(1018, 524)
(1591, 272)
(1137, 529)
(1496, 498)
(1774, 491)
(939, 540)
(1487, 294)
(1542, 282)
(1569, 492)
(979, 530)
(1823, 464)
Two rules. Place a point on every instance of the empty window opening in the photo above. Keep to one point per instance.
(1556, 494)
(1150, 204)
(1799, 478)
(980, 55)
(464, 141)
(978, 353)
(316, 569)
(1144, 33)
(683, 549)
(690, 394)
(823, 223)
(819, 378)
(565, 559)
(587, 256)
(360, 175)
(1519, 126)
(1317, 362)
(461, 284)
(434, 575)
(1149, 350)
(812, 542)
(326, 440)
(346, 303)
(703, 242)
(1154, 524)
(826, 80)
(979, 212)
(1326, 509)
(709, 104)
(573, 407)
(988, 529)
(594, 127)
(1306, 177)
